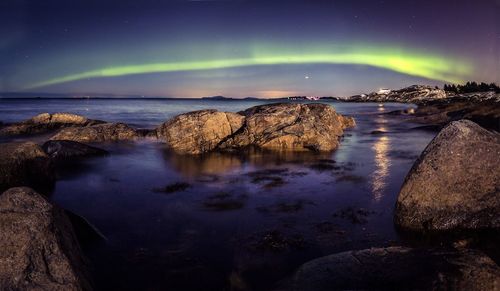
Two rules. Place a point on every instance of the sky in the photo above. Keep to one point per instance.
(240, 48)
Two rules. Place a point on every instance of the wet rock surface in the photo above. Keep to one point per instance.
(455, 183)
(97, 133)
(64, 149)
(287, 126)
(46, 122)
(25, 164)
(399, 268)
(39, 248)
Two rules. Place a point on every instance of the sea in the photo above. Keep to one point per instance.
(228, 221)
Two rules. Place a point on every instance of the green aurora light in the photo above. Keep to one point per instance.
(428, 66)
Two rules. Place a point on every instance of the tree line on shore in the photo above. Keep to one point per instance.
(471, 87)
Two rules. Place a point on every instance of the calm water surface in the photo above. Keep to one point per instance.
(243, 221)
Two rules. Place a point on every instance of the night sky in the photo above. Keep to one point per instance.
(245, 48)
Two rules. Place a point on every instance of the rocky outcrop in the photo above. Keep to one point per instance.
(25, 164)
(97, 133)
(199, 131)
(399, 268)
(46, 122)
(455, 184)
(412, 94)
(39, 248)
(284, 126)
(484, 111)
(64, 149)
(291, 126)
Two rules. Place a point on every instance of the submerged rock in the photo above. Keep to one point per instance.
(224, 201)
(97, 133)
(199, 131)
(172, 188)
(285, 126)
(455, 184)
(86, 233)
(25, 164)
(399, 268)
(45, 122)
(63, 149)
(39, 248)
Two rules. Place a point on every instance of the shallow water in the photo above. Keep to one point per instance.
(233, 221)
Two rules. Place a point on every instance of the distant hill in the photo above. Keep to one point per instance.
(216, 98)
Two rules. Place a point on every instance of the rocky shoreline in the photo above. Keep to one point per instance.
(453, 186)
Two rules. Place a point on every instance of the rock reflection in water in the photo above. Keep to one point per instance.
(219, 163)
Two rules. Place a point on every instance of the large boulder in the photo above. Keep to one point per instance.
(399, 268)
(199, 131)
(39, 248)
(46, 122)
(455, 184)
(291, 126)
(284, 126)
(97, 133)
(64, 149)
(25, 164)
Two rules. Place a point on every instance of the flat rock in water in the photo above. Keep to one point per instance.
(455, 184)
(39, 248)
(25, 164)
(97, 133)
(46, 122)
(64, 149)
(399, 268)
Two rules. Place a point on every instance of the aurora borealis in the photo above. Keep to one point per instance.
(432, 67)
(244, 48)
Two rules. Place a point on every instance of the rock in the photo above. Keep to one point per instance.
(39, 248)
(484, 111)
(399, 268)
(63, 149)
(290, 126)
(286, 126)
(25, 164)
(455, 184)
(199, 131)
(418, 93)
(147, 133)
(86, 233)
(97, 133)
(411, 94)
(46, 122)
